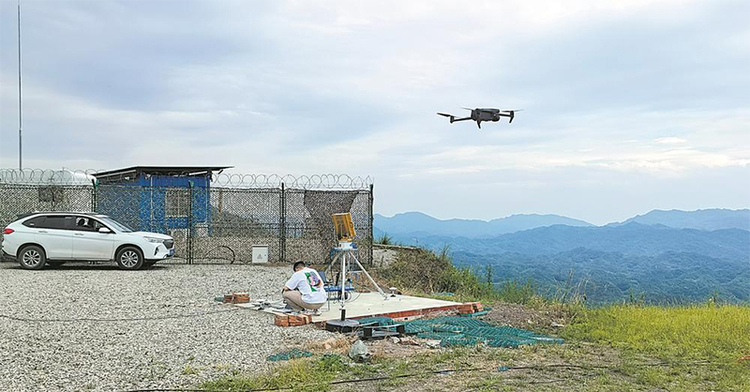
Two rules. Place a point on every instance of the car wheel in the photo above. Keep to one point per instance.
(32, 257)
(129, 258)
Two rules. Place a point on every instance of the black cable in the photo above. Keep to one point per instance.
(443, 371)
(23, 319)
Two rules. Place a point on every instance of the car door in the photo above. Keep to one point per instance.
(88, 242)
(54, 235)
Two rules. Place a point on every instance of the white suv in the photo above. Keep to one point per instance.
(56, 237)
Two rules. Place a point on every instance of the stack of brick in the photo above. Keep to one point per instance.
(470, 307)
(237, 298)
(292, 320)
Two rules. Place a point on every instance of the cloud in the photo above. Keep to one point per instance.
(614, 93)
(670, 140)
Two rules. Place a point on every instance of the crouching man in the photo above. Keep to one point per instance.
(304, 290)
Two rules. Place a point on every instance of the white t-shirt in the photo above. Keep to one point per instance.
(308, 282)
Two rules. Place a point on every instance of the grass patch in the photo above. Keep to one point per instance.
(688, 332)
(317, 374)
(297, 374)
(596, 368)
(679, 336)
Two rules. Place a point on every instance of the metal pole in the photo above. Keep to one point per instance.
(371, 199)
(342, 282)
(20, 120)
(190, 232)
(282, 223)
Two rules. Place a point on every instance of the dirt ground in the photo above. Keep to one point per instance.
(530, 368)
(518, 316)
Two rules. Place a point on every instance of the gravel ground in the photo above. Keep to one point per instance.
(66, 355)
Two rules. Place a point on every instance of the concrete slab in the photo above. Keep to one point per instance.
(401, 307)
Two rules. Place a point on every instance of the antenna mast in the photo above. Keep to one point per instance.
(20, 119)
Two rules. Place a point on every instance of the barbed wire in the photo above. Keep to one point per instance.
(310, 182)
(221, 180)
(47, 177)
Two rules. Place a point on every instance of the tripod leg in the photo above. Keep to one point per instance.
(385, 296)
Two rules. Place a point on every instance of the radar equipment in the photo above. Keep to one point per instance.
(345, 254)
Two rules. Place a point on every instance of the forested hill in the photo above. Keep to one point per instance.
(671, 277)
(629, 239)
(677, 257)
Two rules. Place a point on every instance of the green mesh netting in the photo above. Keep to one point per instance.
(461, 331)
(287, 355)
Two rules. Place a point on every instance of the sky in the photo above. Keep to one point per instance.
(627, 106)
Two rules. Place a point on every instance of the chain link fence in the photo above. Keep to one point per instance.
(221, 222)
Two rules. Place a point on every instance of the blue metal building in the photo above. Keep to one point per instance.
(157, 198)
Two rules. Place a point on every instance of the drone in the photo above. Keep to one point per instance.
(484, 114)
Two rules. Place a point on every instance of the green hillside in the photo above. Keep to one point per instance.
(671, 277)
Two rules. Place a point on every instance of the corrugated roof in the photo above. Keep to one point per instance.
(164, 170)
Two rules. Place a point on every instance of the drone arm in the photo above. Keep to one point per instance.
(461, 119)
(511, 114)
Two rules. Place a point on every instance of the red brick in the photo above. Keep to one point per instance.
(281, 320)
(241, 298)
(299, 319)
(465, 308)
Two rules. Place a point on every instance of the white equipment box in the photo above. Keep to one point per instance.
(260, 254)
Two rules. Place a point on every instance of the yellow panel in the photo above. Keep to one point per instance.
(344, 227)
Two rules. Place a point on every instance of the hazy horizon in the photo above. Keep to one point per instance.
(565, 216)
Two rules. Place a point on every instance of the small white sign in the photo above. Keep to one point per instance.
(260, 254)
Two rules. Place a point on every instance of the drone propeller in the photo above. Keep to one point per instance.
(466, 108)
(510, 113)
(445, 114)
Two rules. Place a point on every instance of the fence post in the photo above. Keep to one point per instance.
(94, 192)
(282, 224)
(190, 232)
(372, 223)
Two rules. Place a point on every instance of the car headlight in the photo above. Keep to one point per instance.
(154, 240)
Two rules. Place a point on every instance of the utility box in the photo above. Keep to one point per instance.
(260, 254)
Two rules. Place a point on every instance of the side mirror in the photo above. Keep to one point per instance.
(104, 230)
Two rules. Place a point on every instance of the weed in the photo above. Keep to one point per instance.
(385, 239)
(189, 370)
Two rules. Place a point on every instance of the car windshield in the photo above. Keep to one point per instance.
(117, 225)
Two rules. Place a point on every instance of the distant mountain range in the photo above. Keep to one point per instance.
(713, 219)
(417, 224)
(672, 256)
(420, 224)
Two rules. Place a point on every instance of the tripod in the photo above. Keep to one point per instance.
(345, 254)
